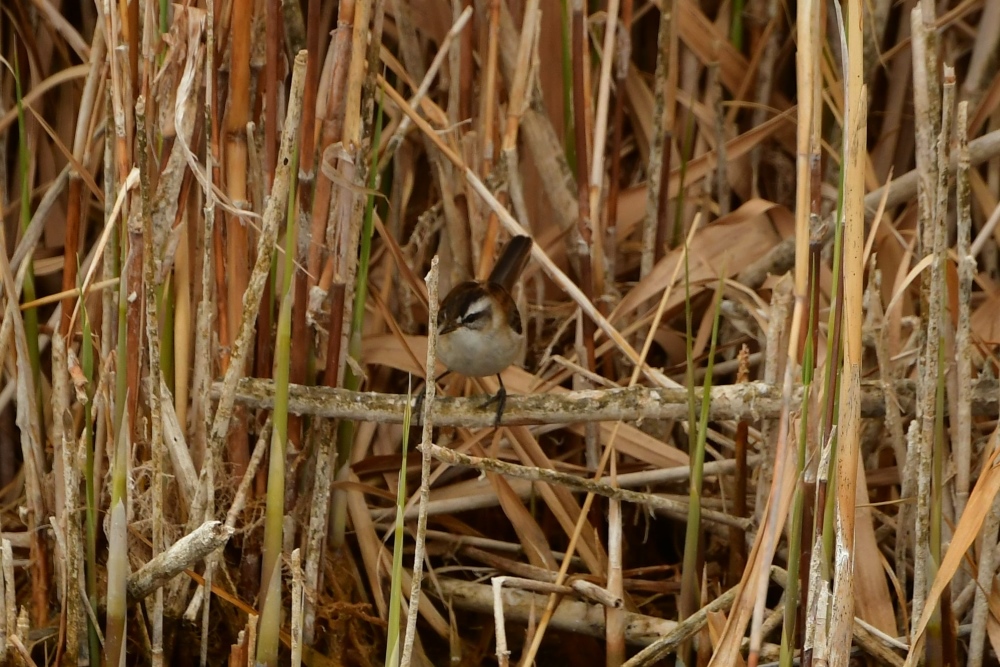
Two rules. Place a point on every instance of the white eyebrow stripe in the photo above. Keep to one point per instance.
(478, 306)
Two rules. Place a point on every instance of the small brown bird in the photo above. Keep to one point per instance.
(479, 326)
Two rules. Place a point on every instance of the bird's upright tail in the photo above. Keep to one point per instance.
(512, 261)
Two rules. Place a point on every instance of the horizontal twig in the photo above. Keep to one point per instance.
(750, 401)
(904, 188)
(658, 635)
(587, 590)
(484, 496)
(576, 483)
(533, 585)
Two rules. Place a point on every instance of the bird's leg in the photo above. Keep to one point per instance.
(500, 398)
(418, 403)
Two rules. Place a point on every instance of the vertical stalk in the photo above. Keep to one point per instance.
(963, 347)
(234, 272)
(737, 536)
(91, 468)
(665, 82)
(617, 124)
(809, 118)
(690, 593)
(201, 421)
(153, 292)
(270, 582)
(117, 567)
(736, 25)
(364, 49)
(926, 105)
(569, 130)
(39, 556)
(345, 434)
(795, 601)
(307, 180)
(392, 645)
(849, 422)
(601, 280)
(942, 638)
(584, 223)
(30, 316)
(331, 122)
(963, 446)
(283, 191)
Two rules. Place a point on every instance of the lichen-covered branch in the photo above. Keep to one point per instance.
(183, 554)
(750, 401)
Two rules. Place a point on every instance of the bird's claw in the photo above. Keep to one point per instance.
(418, 406)
(500, 398)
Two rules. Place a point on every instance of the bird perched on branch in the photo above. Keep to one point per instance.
(479, 329)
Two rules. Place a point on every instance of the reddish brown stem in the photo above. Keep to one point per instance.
(337, 293)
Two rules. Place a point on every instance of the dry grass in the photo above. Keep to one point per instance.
(837, 179)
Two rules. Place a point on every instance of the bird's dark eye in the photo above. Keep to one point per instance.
(473, 316)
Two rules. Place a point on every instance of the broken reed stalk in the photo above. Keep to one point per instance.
(937, 312)
(963, 429)
(925, 85)
(151, 264)
(963, 338)
(609, 55)
(65, 452)
(547, 150)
